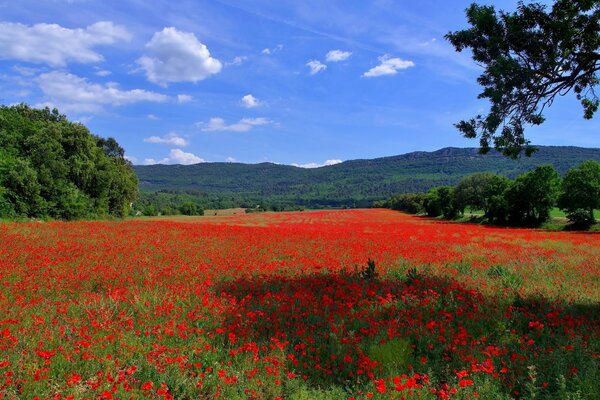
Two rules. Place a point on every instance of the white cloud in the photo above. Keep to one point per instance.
(316, 66)
(176, 156)
(245, 124)
(70, 92)
(183, 98)
(230, 159)
(275, 49)
(170, 138)
(52, 44)
(103, 72)
(131, 159)
(316, 165)
(337, 55)
(177, 57)
(152, 117)
(237, 61)
(249, 101)
(388, 66)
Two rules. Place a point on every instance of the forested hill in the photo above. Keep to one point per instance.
(351, 183)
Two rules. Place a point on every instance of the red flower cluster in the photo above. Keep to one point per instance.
(257, 305)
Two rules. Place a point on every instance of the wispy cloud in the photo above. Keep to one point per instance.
(268, 51)
(316, 66)
(171, 138)
(245, 124)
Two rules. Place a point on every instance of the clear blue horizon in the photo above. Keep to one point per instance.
(284, 82)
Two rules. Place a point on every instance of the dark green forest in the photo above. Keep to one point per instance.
(53, 168)
(356, 183)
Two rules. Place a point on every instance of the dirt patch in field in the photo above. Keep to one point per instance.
(225, 212)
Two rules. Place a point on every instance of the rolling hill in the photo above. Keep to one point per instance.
(351, 183)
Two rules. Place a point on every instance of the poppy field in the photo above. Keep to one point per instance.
(349, 304)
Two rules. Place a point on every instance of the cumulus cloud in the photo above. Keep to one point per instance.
(54, 45)
(316, 165)
(176, 56)
(388, 66)
(316, 66)
(249, 101)
(245, 124)
(176, 156)
(70, 92)
(230, 160)
(183, 98)
(170, 138)
(103, 72)
(337, 55)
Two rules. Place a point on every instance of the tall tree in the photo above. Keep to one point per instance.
(530, 56)
(580, 193)
(532, 195)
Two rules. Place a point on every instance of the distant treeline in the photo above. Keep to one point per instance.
(53, 168)
(526, 200)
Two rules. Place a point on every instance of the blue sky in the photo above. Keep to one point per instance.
(292, 82)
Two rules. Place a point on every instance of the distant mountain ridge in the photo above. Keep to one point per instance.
(353, 182)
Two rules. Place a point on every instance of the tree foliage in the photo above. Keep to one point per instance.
(580, 193)
(530, 56)
(51, 167)
(532, 195)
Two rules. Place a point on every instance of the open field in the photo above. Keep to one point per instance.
(282, 305)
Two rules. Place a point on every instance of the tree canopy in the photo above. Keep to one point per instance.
(530, 56)
(51, 167)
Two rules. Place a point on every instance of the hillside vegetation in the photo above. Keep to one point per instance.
(355, 183)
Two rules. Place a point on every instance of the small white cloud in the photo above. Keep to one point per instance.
(103, 72)
(176, 156)
(388, 66)
(249, 101)
(316, 165)
(183, 98)
(316, 66)
(337, 55)
(239, 60)
(177, 57)
(275, 49)
(245, 124)
(171, 138)
(131, 159)
(54, 45)
(152, 117)
(230, 159)
(70, 92)
(429, 42)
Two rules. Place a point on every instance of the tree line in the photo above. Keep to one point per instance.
(525, 201)
(53, 168)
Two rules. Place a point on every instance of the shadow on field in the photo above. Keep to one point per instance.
(343, 329)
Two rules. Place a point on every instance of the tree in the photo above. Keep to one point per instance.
(440, 201)
(50, 167)
(532, 195)
(580, 193)
(530, 56)
(481, 191)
